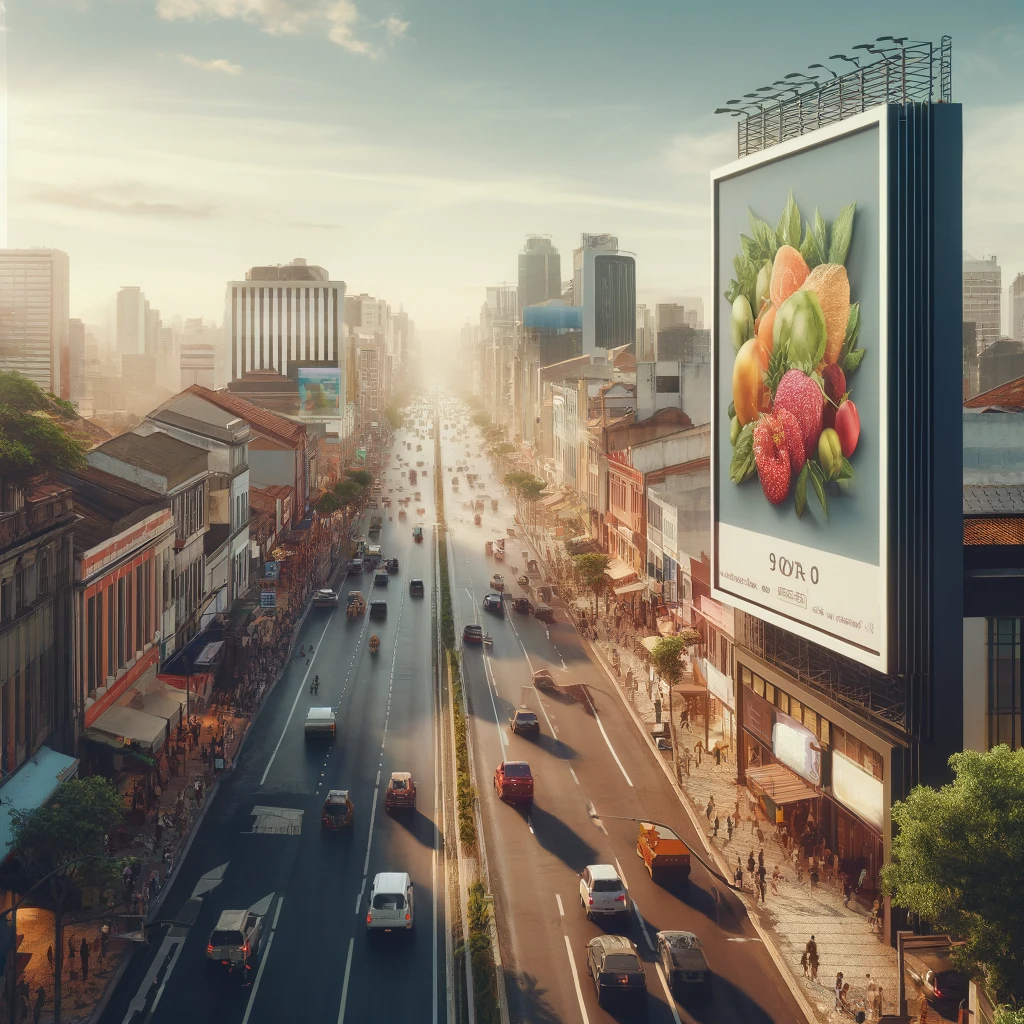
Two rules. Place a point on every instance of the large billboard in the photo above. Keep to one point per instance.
(319, 392)
(799, 410)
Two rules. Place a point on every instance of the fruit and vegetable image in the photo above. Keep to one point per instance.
(793, 421)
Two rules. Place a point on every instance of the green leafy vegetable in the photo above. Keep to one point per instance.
(800, 496)
(853, 360)
(777, 367)
(842, 233)
(788, 229)
(742, 467)
(817, 476)
(815, 243)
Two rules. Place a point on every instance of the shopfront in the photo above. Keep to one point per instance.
(721, 705)
(827, 768)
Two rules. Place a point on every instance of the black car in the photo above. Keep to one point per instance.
(942, 984)
(525, 721)
(355, 565)
(391, 564)
(683, 961)
(494, 604)
(378, 609)
(613, 963)
(381, 579)
(473, 634)
(416, 588)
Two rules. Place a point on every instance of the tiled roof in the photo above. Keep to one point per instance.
(269, 423)
(1009, 395)
(158, 452)
(265, 498)
(993, 530)
(106, 505)
(993, 500)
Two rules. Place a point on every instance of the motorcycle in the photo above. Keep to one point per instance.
(374, 644)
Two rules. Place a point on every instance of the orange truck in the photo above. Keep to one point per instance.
(663, 852)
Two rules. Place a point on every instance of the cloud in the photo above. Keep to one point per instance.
(220, 65)
(111, 199)
(698, 154)
(340, 19)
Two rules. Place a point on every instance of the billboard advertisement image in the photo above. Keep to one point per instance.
(799, 431)
(319, 391)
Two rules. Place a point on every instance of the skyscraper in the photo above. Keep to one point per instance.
(540, 272)
(76, 360)
(1016, 297)
(605, 279)
(982, 299)
(131, 321)
(34, 314)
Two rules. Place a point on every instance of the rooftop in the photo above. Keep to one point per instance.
(260, 420)
(993, 500)
(107, 505)
(200, 416)
(159, 453)
(1007, 397)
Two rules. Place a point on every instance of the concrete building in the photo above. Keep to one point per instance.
(970, 343)
(179, 472)
(540, 272)
(983, 292)
(76, 361)
(1001, 361)
(285, 318)
(645, 333)
(674, 384)
(1016, 304)
(132, 315)
(34, 314)
(604, 284)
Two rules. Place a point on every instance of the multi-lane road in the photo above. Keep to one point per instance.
(589, 759)
(260, 842)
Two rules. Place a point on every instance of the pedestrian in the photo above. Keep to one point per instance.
(761, 872)
(861, 878)
(876, 915)
(760, 857)
(879, 1004)
(83, 952)
(158, 831)
(49, 955)
(870, 991)
(126, 879)
(37, 1010)
(847, 891)
(104, 941)
(844, 996)
(738, 876)
(729, 826)
(803, 962)
(71, 949)
(710, 807)
(751, 864)
(812, 958)
(718, 754)
(838, 988)
(776, 878)
(715, 831)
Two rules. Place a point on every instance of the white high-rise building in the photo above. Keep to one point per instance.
(284, 318)
(983, 293)
(604, 284)
(34, 314)
(1016, 297)
(132, 315)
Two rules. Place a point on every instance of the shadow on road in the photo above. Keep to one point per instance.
(416, 823)
(725, 994)
(558, 838)
(527, 1001)
(557, 748)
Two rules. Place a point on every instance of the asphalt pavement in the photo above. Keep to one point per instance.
(260, 843)
(588, 761)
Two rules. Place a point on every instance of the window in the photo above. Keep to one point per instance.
(1004, 697)
(666, 385)
(654, 515)
(44, 574)
(6, 599)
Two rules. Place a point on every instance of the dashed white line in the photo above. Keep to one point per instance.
(573, 774)
(359, 898)
(668, 994)
(369, 838)
(344, 984)
(622, 874)
(576, 981)
(529, 824)
(561, 910)
(264, 956)
(643, 926)
(608, 742)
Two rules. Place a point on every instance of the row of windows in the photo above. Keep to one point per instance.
(189, 510)
(25, 587)
(786, 704)
(1004, 682)
(119, 621)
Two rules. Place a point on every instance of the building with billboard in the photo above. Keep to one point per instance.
(842, 556)
(34, 314)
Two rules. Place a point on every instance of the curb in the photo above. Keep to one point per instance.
(108, 993)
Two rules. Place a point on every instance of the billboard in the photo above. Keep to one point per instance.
(799, 404)
(319, 391)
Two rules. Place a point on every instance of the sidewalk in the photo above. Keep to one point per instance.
(845, 939)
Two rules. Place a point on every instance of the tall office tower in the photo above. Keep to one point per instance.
(285, 318)
(131, 321)
(645, 336)
(605, 279)
(152, 335)
(982, 299)
(1016, 297)
(34, 314)
(540, 272)
(76, 360)
(669, 314)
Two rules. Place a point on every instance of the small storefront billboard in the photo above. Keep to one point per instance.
(319, 391)
(268, 598)
(858, 790)
(797, 747)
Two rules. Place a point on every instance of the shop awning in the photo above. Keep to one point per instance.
(618, 570)
(30, 787)
(550, 500)
(209, 654)
(650, 642)
(156, 698)
(126, 724)
(629, 588)
(780, 785)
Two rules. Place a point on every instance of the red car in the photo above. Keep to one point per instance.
(513, 781)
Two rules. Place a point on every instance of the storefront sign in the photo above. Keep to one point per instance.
(719, 684)
(797, 747)
(720, 616)
(857, 789)
(268, 598)
(271, 570)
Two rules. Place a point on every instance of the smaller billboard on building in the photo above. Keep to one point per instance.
(268, 599)
(319, 391)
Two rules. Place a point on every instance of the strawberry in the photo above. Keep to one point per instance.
(834, 381)
(771, 456)
(802, 396)
(794, 440)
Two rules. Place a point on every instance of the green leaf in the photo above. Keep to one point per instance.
(778, 364)
(749, 247)
(809, 249)
(788, 229)
(842, 233)
(820, 233)
(800, 496)
(731, 410)
(764, 236)
(817, 475)
(732, 291)
(742, 466)
(853, 326)
(845, 471)
(853, 360)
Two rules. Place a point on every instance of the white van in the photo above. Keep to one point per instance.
(321, 722)
(391, 902)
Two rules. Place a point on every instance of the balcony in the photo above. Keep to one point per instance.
(38, 515)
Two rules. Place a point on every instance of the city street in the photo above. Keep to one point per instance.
(589, 759)
(260, 843)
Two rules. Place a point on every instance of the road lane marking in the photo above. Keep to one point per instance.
(529, 825)
(668, 994)
(344, 984)
(573, 774)
(576, 981)
(622, 874)
(643, 926)
(359, 898)
(178, 946)
(264, 956)
(608, 742)
(298, 693)
(558, 900)
(369, 838)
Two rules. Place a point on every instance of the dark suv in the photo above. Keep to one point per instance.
(613, 963)
(416, 588)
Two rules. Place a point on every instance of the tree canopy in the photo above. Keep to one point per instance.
(32, 437)
(502, 449)
(527, 486)
(956, 862)
(590, 568)
(667, 654)
(363, 477)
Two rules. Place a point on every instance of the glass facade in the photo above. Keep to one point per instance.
(1004, 699)
(615, 300)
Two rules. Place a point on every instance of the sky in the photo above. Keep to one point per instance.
(409, 146)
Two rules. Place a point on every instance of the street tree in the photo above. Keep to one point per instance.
(590, 568)
(34, 434)
(502, 450)
(363, 477)
(61, 848)
(667, 659)
(327, 504)
(346, 492)
(956, 862)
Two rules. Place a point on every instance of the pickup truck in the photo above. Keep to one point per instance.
(664, 854)
(401, 792)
